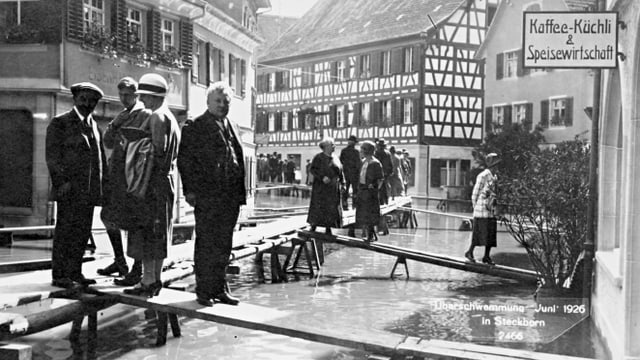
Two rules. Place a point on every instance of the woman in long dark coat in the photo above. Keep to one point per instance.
(367, 201)
(325, 208)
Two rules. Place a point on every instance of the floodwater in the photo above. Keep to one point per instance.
(353, 291)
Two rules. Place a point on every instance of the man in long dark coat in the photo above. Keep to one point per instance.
(211, 164)
(384, 156)
(351, 163)
(76, 161)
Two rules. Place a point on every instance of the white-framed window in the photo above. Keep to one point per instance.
(510, 64)
(272, 82)
(168, 37)
(365, 66)
(198, 70)
(134, 25)
(386, 62)
(408, 59)
(385, 112)
(93, 11)
(351, 67)
(340, 116)
(285, 121)
(498, 115)
(365, 113)
(557, 112)
(407, 111)
(341, 71)
(519, 113)
(294, 123)
(350, 114)
(272, 122)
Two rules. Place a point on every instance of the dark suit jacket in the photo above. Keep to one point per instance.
(203, 161)
(68, 156)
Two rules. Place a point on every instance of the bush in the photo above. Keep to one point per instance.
(546, 208)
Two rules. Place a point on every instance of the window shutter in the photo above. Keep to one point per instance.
(74, 19)
(499, 66)
(221, 59)
(396, 61)
(507, 114)
(529, 116)
(356, 114)
(416, 57)
(333, 116)
(154, 33)
(186, 38)
(394, 112)
(435, 172)
(243, 77)
(488, 117)
(568, 121)
(290, 117)
(399, 113)
(520, 64)
(416, 111)
(279, 80)
(119, 24)
(544, 113)
(376, 63)
(278, 121)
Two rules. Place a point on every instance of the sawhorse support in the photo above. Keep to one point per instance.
(297, 247)
(161, 324)
(278, 273)
(400, 260)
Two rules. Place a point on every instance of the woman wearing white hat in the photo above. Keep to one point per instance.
(150, 242)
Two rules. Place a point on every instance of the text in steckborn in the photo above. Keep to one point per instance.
(557, 40)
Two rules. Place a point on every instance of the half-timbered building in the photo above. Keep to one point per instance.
(559, 100)
(402, 70)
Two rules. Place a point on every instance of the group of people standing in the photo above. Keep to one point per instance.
(273, 168)
(372, 174)
(208, 154)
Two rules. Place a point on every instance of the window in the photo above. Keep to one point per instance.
(167, 34)
(385, 113)
(232, 72)
(365, 66)
(322, 73)
(340, 116)
(134, 25)
(294, 123)
(285, 121)
(341, 71)
(559, 110)
(284, 80)
(511, 64)
(349, 114)
(365, 113)
(216, 63)
(272, 122)
(522, 113)
(93, 14)
(307, 76)
(498, 116)
(407, 111)
(386, 62)
(449, 172)
(16, 158)
(199, 67)
(408, 59)
(247, 19)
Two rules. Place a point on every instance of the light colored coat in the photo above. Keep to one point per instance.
(481, 192)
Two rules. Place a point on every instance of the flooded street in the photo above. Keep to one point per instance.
(353, 291)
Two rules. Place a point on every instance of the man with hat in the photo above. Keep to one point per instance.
(75, 157)
(149, 243)
(406, 169)
(133, 115)
(384, 156)
(484, 218)
(351, 164)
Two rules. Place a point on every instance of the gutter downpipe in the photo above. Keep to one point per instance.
(592, 210)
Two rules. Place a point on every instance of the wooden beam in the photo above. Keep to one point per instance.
(427, 257)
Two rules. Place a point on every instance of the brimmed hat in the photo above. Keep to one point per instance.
(381, 142)
(353, 138)
(492, 159)
(76, 88)
(152, 84)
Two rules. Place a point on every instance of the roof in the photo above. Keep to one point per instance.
(336, 24)
(581, 5)
(271, 27)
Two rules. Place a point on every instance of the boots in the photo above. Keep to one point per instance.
(133, 277)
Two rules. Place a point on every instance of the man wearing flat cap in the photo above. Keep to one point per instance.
(76, 161)
(351, 164)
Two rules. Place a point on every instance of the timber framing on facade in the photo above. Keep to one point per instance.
(417, 85)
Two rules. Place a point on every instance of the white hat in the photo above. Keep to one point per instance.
(86, 86)
(152, 84)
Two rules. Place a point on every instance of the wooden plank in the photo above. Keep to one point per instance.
(431, 258)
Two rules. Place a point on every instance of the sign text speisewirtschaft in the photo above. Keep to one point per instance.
(570, 39)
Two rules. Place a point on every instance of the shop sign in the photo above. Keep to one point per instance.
(570, 39)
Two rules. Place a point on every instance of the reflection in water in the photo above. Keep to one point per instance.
(353, 291)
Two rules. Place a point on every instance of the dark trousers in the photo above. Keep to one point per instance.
(353, 183)
(384, 192)
(73, 229)
(215, 220)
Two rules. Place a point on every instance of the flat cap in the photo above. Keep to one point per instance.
(75, 88)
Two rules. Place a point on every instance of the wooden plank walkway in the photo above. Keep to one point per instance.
(292, 324)
(427, 257)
